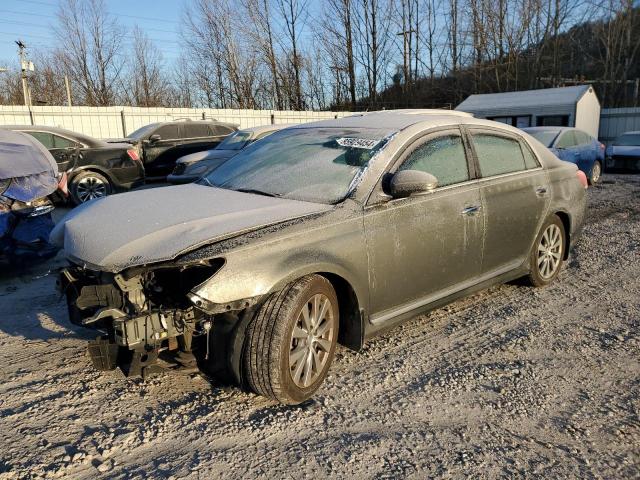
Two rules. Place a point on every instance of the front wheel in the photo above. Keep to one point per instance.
(291, 341)
(596, 172)
(548, 251)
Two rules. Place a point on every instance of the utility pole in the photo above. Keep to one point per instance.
(407, 60)
(24, 67)
(68, 86)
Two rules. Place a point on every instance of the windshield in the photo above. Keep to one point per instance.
(545, 137)
(142, 131)
(628, 140)
(317, 164)
(235, 141)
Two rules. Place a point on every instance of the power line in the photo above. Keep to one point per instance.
(154, 19)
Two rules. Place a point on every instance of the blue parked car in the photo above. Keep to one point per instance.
(624, 152)
(573, 145)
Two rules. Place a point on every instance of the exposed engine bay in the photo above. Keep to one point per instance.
(148, 317)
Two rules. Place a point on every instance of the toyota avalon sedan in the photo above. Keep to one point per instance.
(319, 234)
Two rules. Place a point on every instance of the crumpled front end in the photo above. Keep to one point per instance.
(145, 316)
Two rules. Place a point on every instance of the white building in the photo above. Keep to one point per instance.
(565, 106)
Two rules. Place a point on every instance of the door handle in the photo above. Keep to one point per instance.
(470, 211)
(541, 191)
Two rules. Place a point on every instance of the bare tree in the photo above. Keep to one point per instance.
(294, 14)
(90, 46)
(149, 85)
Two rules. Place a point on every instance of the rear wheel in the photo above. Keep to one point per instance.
(596, 173)
(548, 251)
(88, 185)
(291, 341)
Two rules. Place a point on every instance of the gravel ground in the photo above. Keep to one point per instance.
(513, 381)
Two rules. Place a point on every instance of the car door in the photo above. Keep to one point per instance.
(566, 146)
(66, 152)
(587, 151)
(160, 155)
(515, 195)
(196, 137)
(423, 246)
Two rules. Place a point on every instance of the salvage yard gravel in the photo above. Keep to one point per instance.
(511, 382)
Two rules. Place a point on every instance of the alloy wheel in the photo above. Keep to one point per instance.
(91, 187)
(311, 340)
(550, 251)
(595, 172)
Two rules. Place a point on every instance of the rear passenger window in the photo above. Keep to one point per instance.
(498, 155)
(61, 142)
(196, 130)
(567, 140)
(442, 157)
(167, 132)
(529, 160)
(44, 138)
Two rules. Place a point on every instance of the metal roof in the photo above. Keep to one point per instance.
(561, 97)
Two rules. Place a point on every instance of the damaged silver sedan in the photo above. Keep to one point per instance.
(322, 233)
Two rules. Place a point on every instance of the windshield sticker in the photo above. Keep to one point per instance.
(365, 143)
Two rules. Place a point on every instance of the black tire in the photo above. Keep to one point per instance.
(269, 343)
(89, 179)
(538, 275)
(596, 173)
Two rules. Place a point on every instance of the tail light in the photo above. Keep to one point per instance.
(582, 178)
(133, 155)
(63, 183)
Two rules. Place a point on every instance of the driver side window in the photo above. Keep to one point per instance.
(443, 157)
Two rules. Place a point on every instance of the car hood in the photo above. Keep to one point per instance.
(219, 155)
(158, 224)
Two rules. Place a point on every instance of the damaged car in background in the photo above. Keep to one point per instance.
(322, 233)
(28, 176)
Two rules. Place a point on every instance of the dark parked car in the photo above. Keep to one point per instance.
(191, 167)
(624, 152)
(320, 233)
(161, 144)
(573, 145)
(28, 175)
(94, 168)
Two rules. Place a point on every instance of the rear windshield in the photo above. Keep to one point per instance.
(545, 137)
(235, 141)
(628, 140)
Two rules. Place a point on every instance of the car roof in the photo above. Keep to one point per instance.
(266, 128)
(188, 121)
(79, 137)
(550, 127)
(390, 122)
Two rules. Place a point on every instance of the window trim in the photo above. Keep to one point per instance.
(473, 130)
(77, 143)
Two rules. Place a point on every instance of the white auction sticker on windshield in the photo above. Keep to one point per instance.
(365, 143)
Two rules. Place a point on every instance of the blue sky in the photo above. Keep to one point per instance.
(32, 20)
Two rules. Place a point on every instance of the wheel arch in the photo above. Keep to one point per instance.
(92, 168)
(351, 327)
(566, 223)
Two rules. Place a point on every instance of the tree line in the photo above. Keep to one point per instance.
(338, 54)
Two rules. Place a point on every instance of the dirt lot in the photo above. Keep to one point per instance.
(510, 382)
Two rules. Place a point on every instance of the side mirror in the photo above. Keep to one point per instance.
(411, 182)
(154, 138)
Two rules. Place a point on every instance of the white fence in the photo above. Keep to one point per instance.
(113, 122)
(614, 121)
